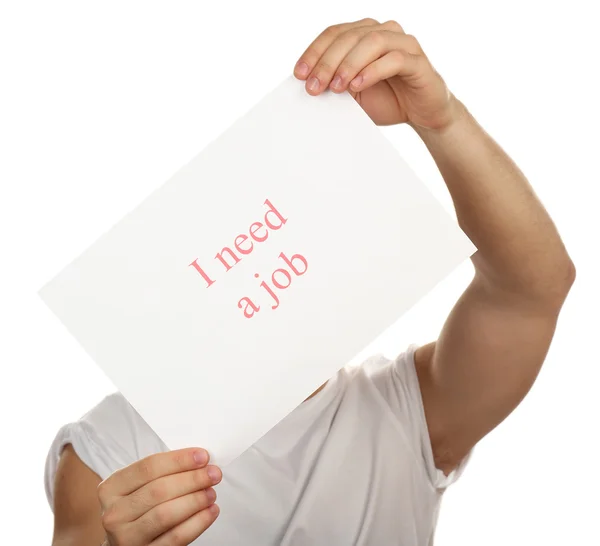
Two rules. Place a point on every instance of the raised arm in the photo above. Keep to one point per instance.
(498, 334)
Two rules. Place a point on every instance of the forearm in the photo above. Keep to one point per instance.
(519, 249)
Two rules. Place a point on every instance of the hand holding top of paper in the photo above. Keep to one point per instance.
(384, 69)
(164, 499)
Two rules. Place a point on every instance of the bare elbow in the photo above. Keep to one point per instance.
(558, 289)
(568, 276)
(571, 273)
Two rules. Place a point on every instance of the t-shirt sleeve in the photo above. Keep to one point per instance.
(110, 436)
(398, 382)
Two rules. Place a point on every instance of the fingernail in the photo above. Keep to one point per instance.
(356, 81)
(214, 474)
(201, 456)
(211, 494)
(302, 69)
(337, 81)
(213, 509)
(313, 84)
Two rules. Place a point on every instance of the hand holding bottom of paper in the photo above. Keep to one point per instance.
(161, 497)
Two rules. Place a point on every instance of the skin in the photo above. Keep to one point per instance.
(493, 342)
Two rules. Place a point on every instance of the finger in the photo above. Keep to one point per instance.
(168, 515)
(315, 50)
(132, 477)
(165, 489)
(395, 63)
(372, 46)
(189, 530)
(324, 70)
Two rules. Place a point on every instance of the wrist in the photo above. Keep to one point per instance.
(458, 120)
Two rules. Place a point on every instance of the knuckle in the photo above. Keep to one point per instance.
(323, 67)
(110, 518)
(356, 33)
(393, 25)
(398, 55)
(370, 21)
(347, 69)
(154, 522)
(331, 30)
(179, 459)
(344, 69)
(146, 469)
(311, 55)
(157, 492)
(375, 37)
(412, 40)
(161, 517)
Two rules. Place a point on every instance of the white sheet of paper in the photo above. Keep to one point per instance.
(182, 352)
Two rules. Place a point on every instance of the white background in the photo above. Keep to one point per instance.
(102, 102)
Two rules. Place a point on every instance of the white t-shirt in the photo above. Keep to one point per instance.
(351, 466)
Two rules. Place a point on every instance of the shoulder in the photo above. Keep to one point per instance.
(402, 383)
(395, 378)
(115, 424)
(109, 436)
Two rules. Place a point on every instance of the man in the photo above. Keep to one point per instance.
(365, 459)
